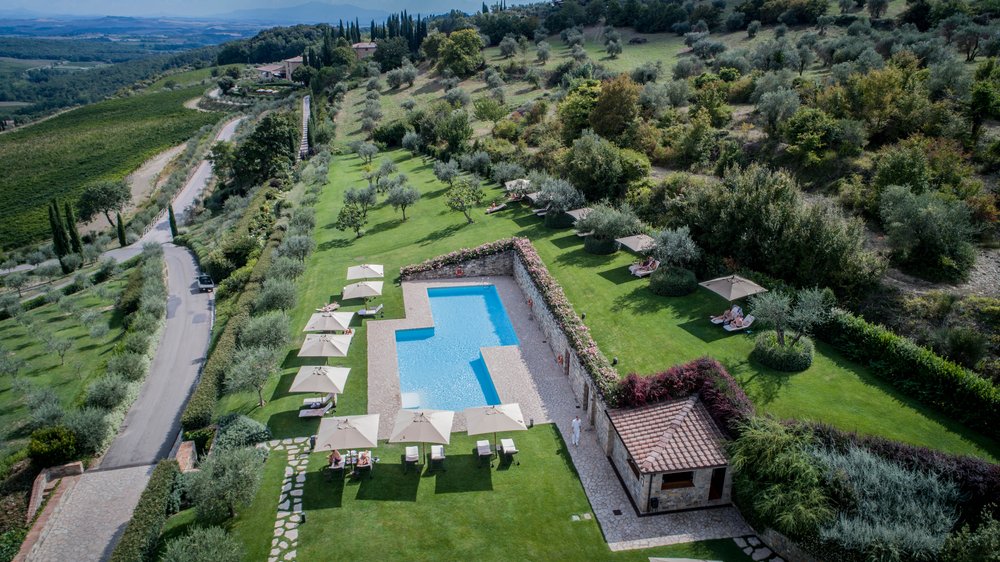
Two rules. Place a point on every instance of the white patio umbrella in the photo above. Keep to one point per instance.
(329, 322)
(732, 287)
(365, 270)
(493, 419)
(363, 290)
(320, 378)
(348, 432)
(423, 426)
(326, 345)
(639, 243)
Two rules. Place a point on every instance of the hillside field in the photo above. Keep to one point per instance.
(106, 140)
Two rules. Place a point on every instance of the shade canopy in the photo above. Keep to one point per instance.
(329, 322)
(363, 290)
(423, 426)
(491, 419)
(365, 271)
(517, 185)
(733, 287)
(639, 243)
(348, 432)
(326, 345)
(579, 214)
(315, 378)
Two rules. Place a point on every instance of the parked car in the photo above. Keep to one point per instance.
(205, 284)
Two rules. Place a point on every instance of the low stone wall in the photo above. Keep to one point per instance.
(785, 547)
(486, 266)
(42, 481)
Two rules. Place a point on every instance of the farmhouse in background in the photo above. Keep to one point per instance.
(364, 50)
(279, 70)
(670, 456)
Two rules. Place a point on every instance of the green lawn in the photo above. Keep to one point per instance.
(84, 361)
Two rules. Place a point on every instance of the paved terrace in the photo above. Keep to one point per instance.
(528, 374)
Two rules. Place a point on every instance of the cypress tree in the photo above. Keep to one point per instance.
(60, 241)
(121, 231)
(172, 220)
(74, 234)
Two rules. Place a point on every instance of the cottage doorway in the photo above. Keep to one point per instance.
(718, 483)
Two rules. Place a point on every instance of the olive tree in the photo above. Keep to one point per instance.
(446, 172)
(675, 247)
(465, 195)
(403, 196)
(251, 371)
(226, 481)
(560, 196)
(784, 312)
(203, 544)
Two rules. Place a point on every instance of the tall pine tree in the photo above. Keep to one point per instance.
(172, 220)
(74, 235)
(60, 242)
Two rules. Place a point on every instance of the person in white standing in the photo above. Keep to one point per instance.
(576, 431)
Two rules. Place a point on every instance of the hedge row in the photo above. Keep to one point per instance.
(200, 408)
(594, 362)
(917, 371)
(141, 538)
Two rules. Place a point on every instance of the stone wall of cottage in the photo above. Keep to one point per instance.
(635, 485)
(695, 496)
(496, 264)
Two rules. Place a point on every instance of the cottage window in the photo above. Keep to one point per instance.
(675, 480)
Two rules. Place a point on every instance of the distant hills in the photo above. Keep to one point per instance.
(310, 12)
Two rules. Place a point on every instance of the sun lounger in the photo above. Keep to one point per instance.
(329, 307)
(412, 456)
(484, 451)
(371, 312)
(495, 209)
(746, 324)
(645, 271)
(508, 449)
(316, 403)
(369, 468)
(437, 456)
(541, 212)
(315, 412)
(736, 311)
(584, 234)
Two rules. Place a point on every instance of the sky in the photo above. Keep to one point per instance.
(201, 8)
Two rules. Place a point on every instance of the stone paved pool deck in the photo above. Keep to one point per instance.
(529, 374)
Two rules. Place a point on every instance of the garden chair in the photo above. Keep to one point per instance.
(411, 457)
(508, 449)
(315, 412)
(371, 313)
(484, 451)
(437, 456)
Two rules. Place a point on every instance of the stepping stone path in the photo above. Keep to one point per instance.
(290, 516)
(755, 548)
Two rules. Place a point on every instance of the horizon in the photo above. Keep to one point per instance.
(213, 8)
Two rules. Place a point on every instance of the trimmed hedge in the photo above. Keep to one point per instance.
(767, 352)
(917, 371)
(600, 247)
(141, 538)
(672, 281)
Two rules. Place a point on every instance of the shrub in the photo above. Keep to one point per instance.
(901, 514)
(506, 171)
(91, 428)
(107, 392)
(606, 223)
(204, 544)
(277, 294)
(51, 446)
(790, 358)
(240, 431)
(268, 330)
(144, 324)
(670, 281)
(917, 371)
(286, 268)
(390, 134)
(227, 480)
(136, 342)
(201, 406)
(983, 544)
(141, 538)
(559, 196)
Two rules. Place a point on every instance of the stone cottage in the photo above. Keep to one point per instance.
(670, 456)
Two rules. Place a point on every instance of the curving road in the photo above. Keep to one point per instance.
(91, 516)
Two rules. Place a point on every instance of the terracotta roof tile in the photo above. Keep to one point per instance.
(670, 436)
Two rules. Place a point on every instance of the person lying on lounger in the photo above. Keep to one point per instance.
(737, 321)
(336, 460)
(328, 307)
(644, 265)
(726, 317)
(494, 207)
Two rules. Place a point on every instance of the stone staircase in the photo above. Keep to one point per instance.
(304, 143)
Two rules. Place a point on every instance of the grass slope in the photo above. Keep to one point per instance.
(58, 157)
(84, 361)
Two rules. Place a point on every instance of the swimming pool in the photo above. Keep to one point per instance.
(442, 367)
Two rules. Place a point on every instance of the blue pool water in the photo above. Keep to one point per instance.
(442, 367)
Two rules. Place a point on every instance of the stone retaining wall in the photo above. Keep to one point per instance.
(785, 547)
(486, 266)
